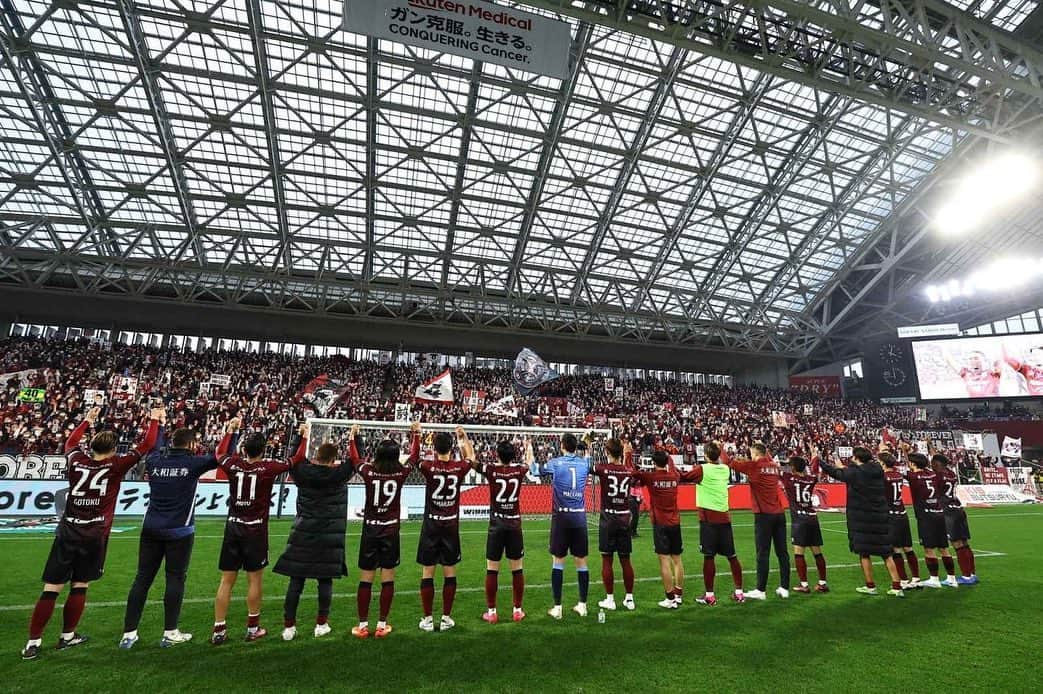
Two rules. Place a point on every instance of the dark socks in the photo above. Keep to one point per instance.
(448, 594)
(427, 595)
(492, 579)
(365, 594)
(73, 609)
(42, 613)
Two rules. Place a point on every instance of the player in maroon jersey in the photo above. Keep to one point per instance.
(245, 544)
(930, 517)
(804, 528)
(898, 518)
(769, 521)
(956, 526)
(1031, 368)
(78, 551)
(440, 534)
(505, 479)
(661, 484)
(980, 379)
(614, 536)
(383, 477)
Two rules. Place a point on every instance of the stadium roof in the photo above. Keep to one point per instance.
(709, 175)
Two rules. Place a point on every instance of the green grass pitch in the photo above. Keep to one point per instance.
(980, 637)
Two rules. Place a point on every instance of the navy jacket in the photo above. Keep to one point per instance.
(173, 477)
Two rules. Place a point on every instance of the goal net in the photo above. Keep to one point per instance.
(536, 497)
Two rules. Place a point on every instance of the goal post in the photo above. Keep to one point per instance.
(474, 497)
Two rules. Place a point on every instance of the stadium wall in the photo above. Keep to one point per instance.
(310, 327)
(27, 498)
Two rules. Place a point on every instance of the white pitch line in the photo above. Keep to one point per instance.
(528, 586)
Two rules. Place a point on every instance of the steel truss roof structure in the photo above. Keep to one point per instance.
(713, 174)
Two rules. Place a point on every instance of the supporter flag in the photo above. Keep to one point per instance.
(123, 387)
(573, 410)
(921, 414)
(845, 452)
(31, 395)
(887, 436)
(438, 389)
(474, 401)
(530, 372)
(610, 385)
(93, 397)
(778, 419)
(1011, 448)
(504, 407)
(323, 392)
(973, 442)
(402, 412)
(809, 409)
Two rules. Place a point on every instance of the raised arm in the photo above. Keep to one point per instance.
(230, 438)
(414, 445)
(1010, 361)
(149, 439)
(838, 473)
(73, 442)
(743, 466)
(950, 362)
(353, 446)
(301, 454)
(628, 454)
(695, 475)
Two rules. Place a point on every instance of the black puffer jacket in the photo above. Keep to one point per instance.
(315, 548)
(868, 529)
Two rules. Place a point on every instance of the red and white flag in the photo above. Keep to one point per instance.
(474, 401)
(504, 407)
(439, 389)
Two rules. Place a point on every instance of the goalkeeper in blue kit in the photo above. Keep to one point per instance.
(568, 528)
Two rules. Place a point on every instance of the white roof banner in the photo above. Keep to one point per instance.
(472, 29)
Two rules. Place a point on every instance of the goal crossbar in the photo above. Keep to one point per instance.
(441, 426)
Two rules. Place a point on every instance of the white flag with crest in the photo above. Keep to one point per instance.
(438, 389)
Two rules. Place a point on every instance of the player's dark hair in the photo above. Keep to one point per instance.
(506, 451)
(104, 442)
(798, 464)
(888, 460)
(939, 461)
(182, 438)
(861, 454)
(760, 448)
(386, 457)
(919, 460)
(254, 445)
(443, 443)
(327, 453)
(614, 448)
(569, 443)
(712, 452)
(660, 458)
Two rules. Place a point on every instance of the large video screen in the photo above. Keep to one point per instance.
(976, 368)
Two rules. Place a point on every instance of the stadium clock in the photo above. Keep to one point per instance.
(893, 376)
(892, 354)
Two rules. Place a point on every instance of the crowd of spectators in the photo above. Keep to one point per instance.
(270, 392)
